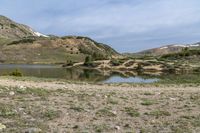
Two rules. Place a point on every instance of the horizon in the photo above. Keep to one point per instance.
(125, 25)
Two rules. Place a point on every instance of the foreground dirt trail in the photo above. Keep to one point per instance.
(59, 107)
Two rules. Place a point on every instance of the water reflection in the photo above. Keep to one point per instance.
(76, 74)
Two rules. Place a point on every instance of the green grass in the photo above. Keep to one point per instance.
(112, 101)
(148, 102)
(77, 108)
(180, 79)
(51, 114)
(158, 113)
(6, 110)
(42, 93)
(100, 128)
(132, 112)
(105, 112)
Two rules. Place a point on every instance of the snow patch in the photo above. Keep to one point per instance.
(181, 46)
(38, 33)
(194, 45)
(164, 48)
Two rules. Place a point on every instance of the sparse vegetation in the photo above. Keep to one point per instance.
(132, 112)
(105, 112)
(6, 111)
(88, 61)
(147, 102)
(184, 54)
(16, 73)
(159, 113)
(98, 108)
(51, 114)
(25, 40)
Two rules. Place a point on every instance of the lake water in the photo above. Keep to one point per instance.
(76, 74)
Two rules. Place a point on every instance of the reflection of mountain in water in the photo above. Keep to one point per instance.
(76, 74)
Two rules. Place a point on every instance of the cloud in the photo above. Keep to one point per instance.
(127, 25)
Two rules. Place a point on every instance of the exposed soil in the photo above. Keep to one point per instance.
(59, 107)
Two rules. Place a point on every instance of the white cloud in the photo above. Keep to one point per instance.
(111, 20)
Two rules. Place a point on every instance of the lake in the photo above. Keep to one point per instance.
(74, 74)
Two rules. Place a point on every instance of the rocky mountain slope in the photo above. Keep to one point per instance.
(21, 44)
(11, 29)
(170, 49)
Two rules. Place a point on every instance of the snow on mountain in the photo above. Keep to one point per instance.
(180, 45)
(164, 48)
(194, 45)
(38, 33)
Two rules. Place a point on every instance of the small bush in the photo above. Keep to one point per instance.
(25, 40)
(139, 67)
(88, 61)
(115, 62)
(16, 73)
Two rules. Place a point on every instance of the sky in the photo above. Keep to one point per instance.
(126, 25)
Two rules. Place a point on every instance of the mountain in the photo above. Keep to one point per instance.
(21, 44)
(170, 49)
(11, 29)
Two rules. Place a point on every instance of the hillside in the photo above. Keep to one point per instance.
(169, 49)
(12, 30)
(21, 44)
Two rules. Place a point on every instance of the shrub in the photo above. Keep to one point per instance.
(88, 61)
(139, 67)
(115, 62)
(16, 73)
(13, 26)
(25, 40)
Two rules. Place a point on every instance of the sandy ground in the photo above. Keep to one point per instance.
(59, 107)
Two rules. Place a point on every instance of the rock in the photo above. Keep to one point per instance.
(33, 130)
(2, 127)
(22, 87)
(12, 93)
(117, 127)
(172, 98)
(114, 112)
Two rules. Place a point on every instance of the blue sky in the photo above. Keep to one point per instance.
(126, 25)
